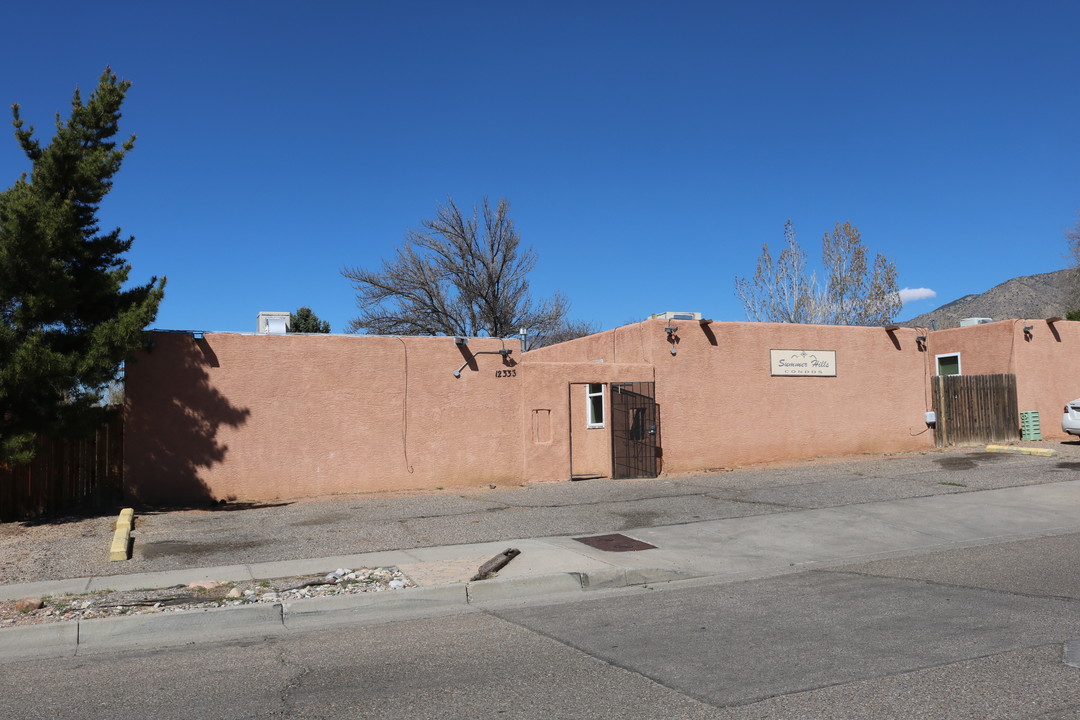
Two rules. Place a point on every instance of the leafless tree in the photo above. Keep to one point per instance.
(1072, 237)
(460, 275)
(854, 293)
(780, 291)
(857, 294)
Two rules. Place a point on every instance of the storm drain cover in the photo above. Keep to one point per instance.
(615, 543)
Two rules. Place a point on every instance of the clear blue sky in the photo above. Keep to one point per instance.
(648, 149)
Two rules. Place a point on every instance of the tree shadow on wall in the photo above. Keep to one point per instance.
(174, 416)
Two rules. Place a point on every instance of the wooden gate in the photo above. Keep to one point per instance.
(975, 409)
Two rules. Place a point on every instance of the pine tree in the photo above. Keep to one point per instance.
(306, 321)
(66, 320)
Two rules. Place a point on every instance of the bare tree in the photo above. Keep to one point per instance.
(854, 294)
(780, 291)
(1072, 237)
(460, 275)
(857, 294)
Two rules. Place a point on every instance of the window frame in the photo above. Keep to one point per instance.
(937, 363)
(591, 421)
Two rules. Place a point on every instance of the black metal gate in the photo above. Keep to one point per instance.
(635, 430)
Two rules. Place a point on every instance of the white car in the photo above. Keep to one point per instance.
(1070, 420)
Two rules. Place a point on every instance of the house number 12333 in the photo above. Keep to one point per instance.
(505, 373)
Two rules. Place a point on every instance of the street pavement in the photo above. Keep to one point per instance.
(957, 603)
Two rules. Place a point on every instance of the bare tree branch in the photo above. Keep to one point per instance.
(460, 275)
(784, 291)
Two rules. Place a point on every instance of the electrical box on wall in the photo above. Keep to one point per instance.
(931, 417)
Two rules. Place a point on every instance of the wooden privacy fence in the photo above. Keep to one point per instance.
(975, 409)
(65, 474)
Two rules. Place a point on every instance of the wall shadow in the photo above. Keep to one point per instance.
(173, 417)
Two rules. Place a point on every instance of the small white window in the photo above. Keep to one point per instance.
(948, 364)
(594, 405)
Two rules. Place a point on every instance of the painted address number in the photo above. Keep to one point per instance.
(506, 373)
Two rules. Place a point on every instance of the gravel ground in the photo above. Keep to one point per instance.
(203, 595)
(77, 546)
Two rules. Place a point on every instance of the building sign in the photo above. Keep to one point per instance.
(819, 363)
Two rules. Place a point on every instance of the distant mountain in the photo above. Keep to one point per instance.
(1028, 297)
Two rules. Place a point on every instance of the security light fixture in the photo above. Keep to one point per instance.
(459, 341)
(920, 339)
(1027, 331)
(503, 352)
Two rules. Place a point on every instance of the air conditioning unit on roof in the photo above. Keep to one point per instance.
(670, 315)
(273, 323)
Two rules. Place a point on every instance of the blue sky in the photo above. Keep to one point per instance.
(648, 149)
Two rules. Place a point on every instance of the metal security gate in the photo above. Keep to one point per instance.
(635, 430)
(975, 409)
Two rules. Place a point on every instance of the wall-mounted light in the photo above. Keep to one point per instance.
(504, 352)
(1027, 331)
(459, 341)
(671, 338)
(921, 339)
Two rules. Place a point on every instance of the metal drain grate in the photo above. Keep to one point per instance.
(615, 543)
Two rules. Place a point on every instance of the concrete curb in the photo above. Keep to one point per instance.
(499, 589)
(37, 642)
(370, 608)
(181, 628)
(627, 577)
(98, 635)
(1012, 450)
(1071, 653)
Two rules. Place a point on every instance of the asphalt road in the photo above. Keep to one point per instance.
(863, 641)
(974, 632)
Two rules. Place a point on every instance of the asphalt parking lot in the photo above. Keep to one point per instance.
(240, 533)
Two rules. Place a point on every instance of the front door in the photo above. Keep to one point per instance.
(635, 430)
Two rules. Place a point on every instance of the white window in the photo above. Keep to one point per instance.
(594, 405)
(948, 364)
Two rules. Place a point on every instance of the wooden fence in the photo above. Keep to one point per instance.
(66, 474)
(975, 409)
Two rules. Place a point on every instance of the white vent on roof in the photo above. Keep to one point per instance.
(670, 315)
(273, 323)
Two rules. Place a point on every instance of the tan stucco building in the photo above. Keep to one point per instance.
(214, 416)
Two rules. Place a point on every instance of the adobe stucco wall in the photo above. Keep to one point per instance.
(720, 405)
(1046, 362)
(548, 388)
(270, 416)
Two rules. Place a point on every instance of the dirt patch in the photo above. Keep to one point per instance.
(110, 603)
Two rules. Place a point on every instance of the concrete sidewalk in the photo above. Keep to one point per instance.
(714, 550)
